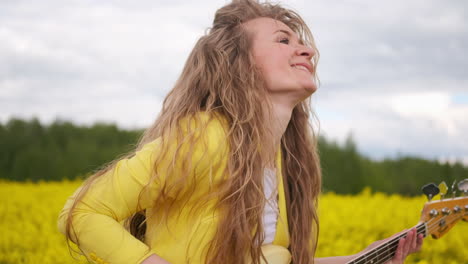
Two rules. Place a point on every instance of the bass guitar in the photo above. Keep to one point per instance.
(437, 218)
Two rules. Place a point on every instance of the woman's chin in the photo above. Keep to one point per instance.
(310, 89)
(305, 93)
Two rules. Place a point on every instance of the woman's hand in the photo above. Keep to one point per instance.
(410, 244)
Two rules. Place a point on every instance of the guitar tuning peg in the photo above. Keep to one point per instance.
(454, 191)
(463, 186)
(430, 190)
(443, 189)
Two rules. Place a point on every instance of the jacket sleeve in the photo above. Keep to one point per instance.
(114, 196)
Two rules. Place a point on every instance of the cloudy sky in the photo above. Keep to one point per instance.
(393, 73)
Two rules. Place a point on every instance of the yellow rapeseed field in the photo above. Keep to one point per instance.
(28, 214)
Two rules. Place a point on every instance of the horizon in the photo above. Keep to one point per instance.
(341, 144)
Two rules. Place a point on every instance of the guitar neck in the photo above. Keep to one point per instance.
(384, 251)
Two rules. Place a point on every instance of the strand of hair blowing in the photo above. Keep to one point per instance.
(303, 177)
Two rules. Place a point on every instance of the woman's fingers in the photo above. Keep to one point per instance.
(415, 242)
(398, 258)
(409, 242)
(419, 243)
(407, 245)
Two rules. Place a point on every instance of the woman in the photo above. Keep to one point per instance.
(229, 166)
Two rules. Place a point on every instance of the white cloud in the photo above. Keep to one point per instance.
(427, 124)
(422, 104)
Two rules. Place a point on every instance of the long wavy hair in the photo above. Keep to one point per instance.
(220, 77)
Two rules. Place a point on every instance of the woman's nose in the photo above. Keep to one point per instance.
(305, 51)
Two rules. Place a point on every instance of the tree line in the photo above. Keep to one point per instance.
(31, 151)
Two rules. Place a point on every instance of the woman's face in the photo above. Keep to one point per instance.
(284, 62)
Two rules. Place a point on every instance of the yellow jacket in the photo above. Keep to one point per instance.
(182, 239)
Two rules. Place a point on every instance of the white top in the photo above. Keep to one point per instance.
(271, 211)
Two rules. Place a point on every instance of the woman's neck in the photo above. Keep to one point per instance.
(278, 117)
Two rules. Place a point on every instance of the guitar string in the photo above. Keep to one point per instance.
(390, 253)
(381, 257)
(392, 244)
(389, 256)
(390, 250)
(420, 230)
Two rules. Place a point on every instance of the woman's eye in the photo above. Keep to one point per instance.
(284, 40)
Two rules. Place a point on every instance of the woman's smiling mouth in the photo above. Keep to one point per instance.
(302, 66)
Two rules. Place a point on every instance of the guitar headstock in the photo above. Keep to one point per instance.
(441, 215)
